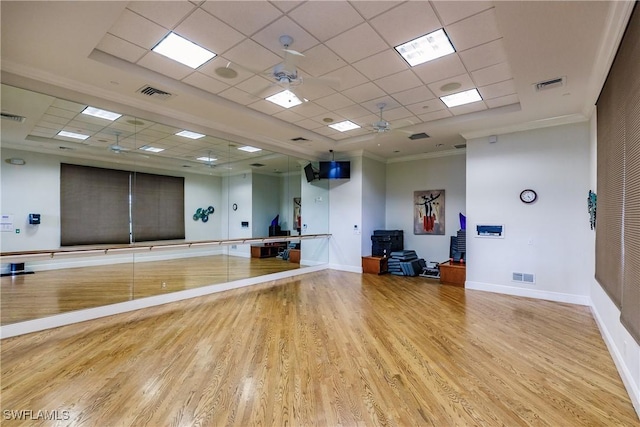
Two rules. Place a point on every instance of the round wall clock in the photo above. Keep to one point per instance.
(235, 207)
(528, 196)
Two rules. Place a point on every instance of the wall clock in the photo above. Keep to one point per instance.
(235, 207)
(528, 196)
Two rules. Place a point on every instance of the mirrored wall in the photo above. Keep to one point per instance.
(101, 208)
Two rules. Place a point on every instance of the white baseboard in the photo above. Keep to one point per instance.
(349, 268)
(530, 293)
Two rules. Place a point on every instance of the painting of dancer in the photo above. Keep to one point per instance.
(428, 212)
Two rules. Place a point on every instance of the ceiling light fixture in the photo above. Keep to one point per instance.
(183, 51)
(206, 159)
(102, 114)
(190, 135)
(344, 126)
(285, 99)
(426, 48)
(72, 135)
(151, 149)
(461, 98)
(249, 149)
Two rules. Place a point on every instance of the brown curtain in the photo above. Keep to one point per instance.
(94, 205)
(157, 209)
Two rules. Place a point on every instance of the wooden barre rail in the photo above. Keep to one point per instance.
(136, 248)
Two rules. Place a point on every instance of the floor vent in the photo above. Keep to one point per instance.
(421, 135)
(13, 117)
(523, 277)
(154, 93)
(550, 84)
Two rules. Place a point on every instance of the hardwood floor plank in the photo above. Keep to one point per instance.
(324, 349)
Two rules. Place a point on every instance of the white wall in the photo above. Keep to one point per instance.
(290, 187)
(266, 203)
(403, 178)
(315, 220)
(374, 178)
(550, 238)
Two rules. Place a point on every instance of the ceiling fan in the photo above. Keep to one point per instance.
(119, 149)
(381, 126)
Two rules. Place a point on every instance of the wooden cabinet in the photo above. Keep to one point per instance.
(294, 256)
(267, 250)
(374, 264)
(453, 273)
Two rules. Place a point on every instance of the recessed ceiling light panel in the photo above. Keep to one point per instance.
(103, 114)
(72, 135)
(249, 149)
(426, 48)
(285, 99)
(190, 135)
(461, 98)
(206, 159)
(183, 51)
(344, 126)
(151, 149)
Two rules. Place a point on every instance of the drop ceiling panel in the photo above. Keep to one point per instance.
(269, 37)
(246, 16)
(238, 96)
(484, 56)
(382, 64)
(334, 102)
(320, 60)
(426, 107)
(165, 13)
(502, 101)
(121, 48)
(435, 115)
(204, 82)
(364, 92)
(406, 22)
(498, 90)
(288, 116)
(440, 68)
(209, 32)
(325, 20)
(370, 9)
(473, 31)
(163, 65)
(452, 11)
(286, 5)
(468, 108)
(348, 77)
(353, 111)
(464, 80)
(399, 82)
(309, 109)
(411, 96)
(253, 56)
(357, 43)
(138, 30)
(492, 74)
(210, 67)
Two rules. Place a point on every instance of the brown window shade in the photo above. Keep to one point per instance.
(94, 205)
(157, 208)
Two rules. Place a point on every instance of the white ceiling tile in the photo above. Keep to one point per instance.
(435, 115)
(412, 96)
(269, 37)
(286, 5)
(253, 56)
(165, 13)
(439, 69)
(406, 22)
(121, 48)
(334, 102)
(61, 112)
(335, 118)
(326, 131)
(208, 32)
(348, 77)
(464, 80)
(383, 64)
(374, 104)
(369, 9)
(325, 20)
(237, 95)
(308, 124)
(493, 74)
(68, 105)
(289, 116)
(219, 62)
(245, 16)
(266, 107)
(502, 101)
(357, 43)
(426, 107)
(364, 92)
(353, 112)
(468, 108)
(398, 115)
(138, 30)
(367, 121)
(48, 118)
(164, 65)
(259, 87)
(452, 11)
(399, 82)
(309, 109)
(498, 90)
(312, 89)
(473, 31)
(484, 55)
(320, 60)
(204, 82)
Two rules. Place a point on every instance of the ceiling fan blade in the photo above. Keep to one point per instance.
(293, 52)
(298, 92)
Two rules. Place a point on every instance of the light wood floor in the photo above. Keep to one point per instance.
(328, 348)
(46, 293)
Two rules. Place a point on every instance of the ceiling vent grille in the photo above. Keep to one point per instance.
(256, 165)
(460, 146)
(421, 135)
(13, 117)
(299, 139)
(154, 93)
(550, 84)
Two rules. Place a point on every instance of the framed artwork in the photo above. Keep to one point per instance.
(428, 212)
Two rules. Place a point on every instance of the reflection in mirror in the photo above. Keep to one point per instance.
(187, 210)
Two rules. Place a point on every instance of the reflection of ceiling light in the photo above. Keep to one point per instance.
(184, 51)
(426, 48)
(103, 114)
(461, 98)
(206, 159)
(286, 99)
(249, 149)
(73, 135)
(151, 149)
(344, 126)
(190, 135)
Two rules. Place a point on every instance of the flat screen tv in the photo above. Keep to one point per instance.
(335, 170)
(309, 173)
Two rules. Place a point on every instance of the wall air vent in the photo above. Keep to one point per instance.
(13, 117)
(523, 277)
(550, 84)
(421, 135)
(154, 93)
(299, 139)
(460, 146)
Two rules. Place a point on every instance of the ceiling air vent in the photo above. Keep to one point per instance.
(256, 165)
(460, 146)
(13, 117)
(421, 135)
(299, 139)
(154, 93)
(550, 84)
